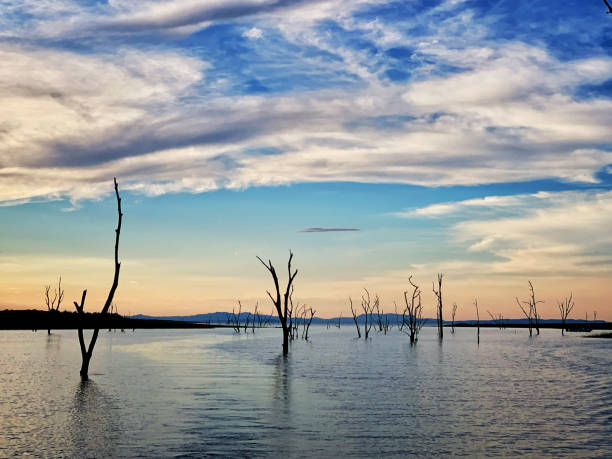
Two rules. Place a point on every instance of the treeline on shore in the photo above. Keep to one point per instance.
(34, 319)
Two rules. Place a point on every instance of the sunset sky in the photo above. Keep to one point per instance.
(471, 138)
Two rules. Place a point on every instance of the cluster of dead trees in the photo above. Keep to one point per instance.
(251, 320)
(373, 316)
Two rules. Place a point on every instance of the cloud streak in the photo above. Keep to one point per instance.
(326, 230)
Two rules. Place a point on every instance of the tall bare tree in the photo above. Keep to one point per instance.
(438, 294)
(87, 351)
(530, 309)
(565, 307)
(414, 310)
(307, 322)
(368, 310)
(53, 304)
(282, 305)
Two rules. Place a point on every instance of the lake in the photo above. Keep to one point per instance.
(186, 393)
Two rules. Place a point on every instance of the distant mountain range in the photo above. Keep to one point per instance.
(225, 318)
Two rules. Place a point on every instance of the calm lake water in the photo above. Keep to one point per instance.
(185, 393)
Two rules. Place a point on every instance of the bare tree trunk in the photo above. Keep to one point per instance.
(535, 308)
(477, 321)
(565, 307)
(368, 309)
(281, 308)
(86, 352)
(414, 310)
(53, 304)
(355, 319)
(438, 294)
(312, 314)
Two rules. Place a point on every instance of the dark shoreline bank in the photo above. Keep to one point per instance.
(33, 319)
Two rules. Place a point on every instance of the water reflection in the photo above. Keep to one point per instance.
(282, 386)
(95, 428)
(53, 343)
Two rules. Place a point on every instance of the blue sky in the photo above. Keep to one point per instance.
(466, 137)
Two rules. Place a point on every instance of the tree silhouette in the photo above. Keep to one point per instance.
(565, 307)
(282, 306)
(87, 351)
(53, 304)
(414, 311)
(438, 294)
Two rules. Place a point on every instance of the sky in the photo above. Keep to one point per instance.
(465, 137)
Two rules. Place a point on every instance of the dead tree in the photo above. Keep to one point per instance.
(565, 307)
(414, 310)
(382, 319)
(368, 310)
(307, 324)
(453, 318)
(280, 305)
(53, 304)
(256, 318)
(533, 301)
(530, 309)
(86, 352)
(497, 319)
(438, 294)
(477, 321)
(354, 319)
(235, 318)
(246, 322)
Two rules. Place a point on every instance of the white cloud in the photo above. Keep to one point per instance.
(488, 203)
(564, 238)
(253, 33)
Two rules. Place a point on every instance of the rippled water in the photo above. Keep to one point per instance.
(178, 393)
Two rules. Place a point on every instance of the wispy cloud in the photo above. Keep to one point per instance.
(485, 203)
(326, 230)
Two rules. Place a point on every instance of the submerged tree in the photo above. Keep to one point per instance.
(477, 321)
(53, 304)
(453, 318)
(414, 310)
(282, 305)
(530, 309)
(307, 321)
(565, 307)
(438, 294)
(355, 318)
(87, 351)
(368, 311)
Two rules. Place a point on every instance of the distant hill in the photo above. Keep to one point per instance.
(223, 318)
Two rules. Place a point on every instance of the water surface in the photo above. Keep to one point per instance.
(183, 393)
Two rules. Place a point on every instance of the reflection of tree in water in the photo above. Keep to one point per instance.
(95, 429)
(281, 404)
(53, 344)
(282, 384)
